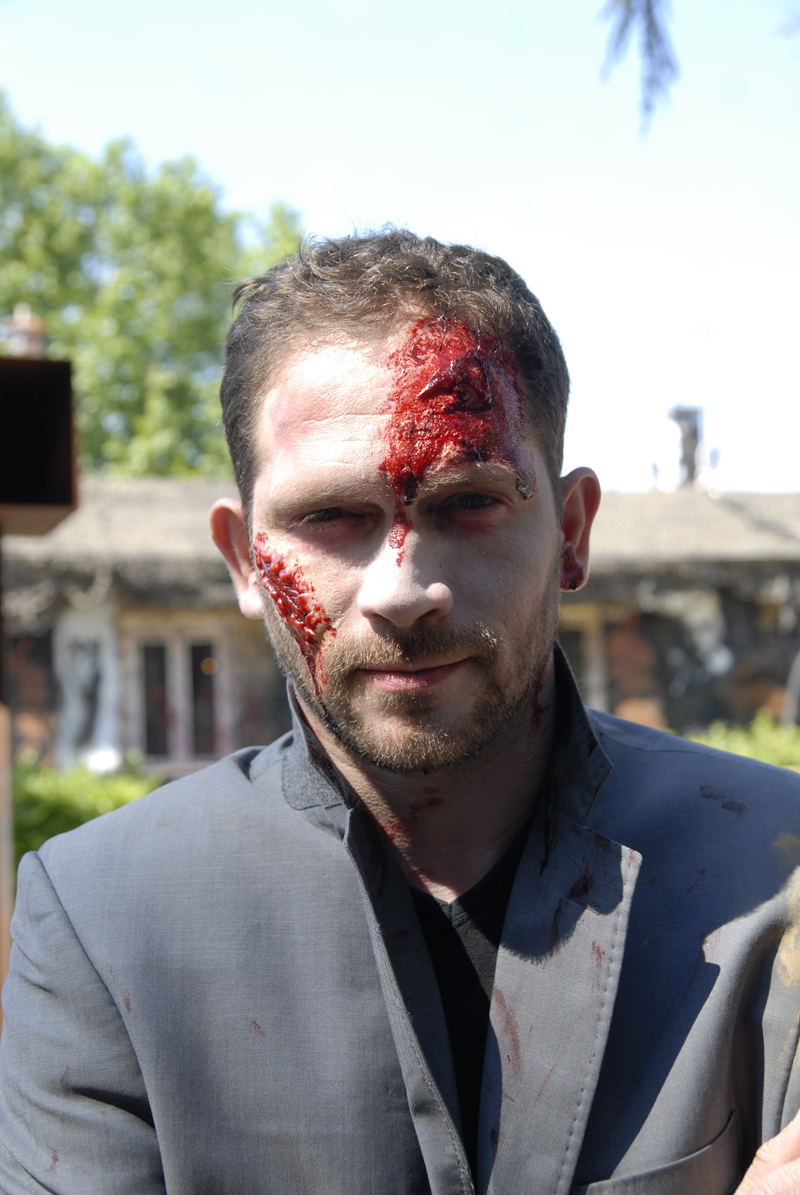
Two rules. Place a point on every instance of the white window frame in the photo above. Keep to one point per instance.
(177, 630)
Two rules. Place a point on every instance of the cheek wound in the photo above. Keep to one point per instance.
(301, 613)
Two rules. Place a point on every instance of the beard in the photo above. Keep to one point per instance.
(410, 731)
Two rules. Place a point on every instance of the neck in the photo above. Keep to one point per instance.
(447, 829)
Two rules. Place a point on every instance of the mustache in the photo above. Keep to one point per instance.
(391, 645)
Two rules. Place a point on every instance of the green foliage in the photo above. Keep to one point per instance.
(48, 801)
(132, 273)
(763, 739)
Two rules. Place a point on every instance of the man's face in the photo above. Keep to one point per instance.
(406, 537)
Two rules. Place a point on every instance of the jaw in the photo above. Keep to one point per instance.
(429, 730)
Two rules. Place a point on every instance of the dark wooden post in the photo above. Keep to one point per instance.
(37, 491)
(6, 811)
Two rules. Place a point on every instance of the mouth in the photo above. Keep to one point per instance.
(400, 678)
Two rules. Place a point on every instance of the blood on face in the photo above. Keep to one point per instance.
(454, 398)
(572, 574)
(292, 595)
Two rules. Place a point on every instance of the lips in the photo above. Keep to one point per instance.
(404, 680)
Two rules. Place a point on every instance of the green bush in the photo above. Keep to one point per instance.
(763, 739)
(48, 801)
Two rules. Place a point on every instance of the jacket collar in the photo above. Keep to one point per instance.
(579, 767)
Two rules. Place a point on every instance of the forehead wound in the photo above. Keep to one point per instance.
(453, 397)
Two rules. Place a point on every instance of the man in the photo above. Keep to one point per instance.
(451, 934)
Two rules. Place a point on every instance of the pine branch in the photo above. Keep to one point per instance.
(659, 64)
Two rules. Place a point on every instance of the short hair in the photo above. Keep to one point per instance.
(363, 287)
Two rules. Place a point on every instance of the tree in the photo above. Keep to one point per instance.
(132, 272)
(659, 64)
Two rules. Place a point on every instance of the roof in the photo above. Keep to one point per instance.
(155, 519)
(640, 531)
(130, 519)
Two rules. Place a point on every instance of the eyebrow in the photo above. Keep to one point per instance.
(470, 473)
(316, 496)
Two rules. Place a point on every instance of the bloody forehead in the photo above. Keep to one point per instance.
(454, 397)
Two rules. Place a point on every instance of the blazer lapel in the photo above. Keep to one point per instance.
(555, 985)
(557, 974)
(414, 1008)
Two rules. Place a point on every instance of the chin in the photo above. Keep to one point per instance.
(412, 733)
(406, 749)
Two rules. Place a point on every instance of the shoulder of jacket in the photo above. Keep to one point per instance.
(616, 734)
(226, 792)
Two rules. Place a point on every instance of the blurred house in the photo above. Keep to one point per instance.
(691, 610)
(123, 635)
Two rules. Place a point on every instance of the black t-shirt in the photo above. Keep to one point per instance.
(462, 940)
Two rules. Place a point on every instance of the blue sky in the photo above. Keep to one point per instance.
(669, 264)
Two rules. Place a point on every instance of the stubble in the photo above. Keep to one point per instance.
(406, 731)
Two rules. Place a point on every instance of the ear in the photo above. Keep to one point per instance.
(229, 533)
(580, 495)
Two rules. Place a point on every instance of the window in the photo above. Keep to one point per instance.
(178, 701)
(154, 674)
(203, 668)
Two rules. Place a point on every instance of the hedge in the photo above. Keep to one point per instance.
(48, 801)
(763, 739)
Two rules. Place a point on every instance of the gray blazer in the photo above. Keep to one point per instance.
(222, 989)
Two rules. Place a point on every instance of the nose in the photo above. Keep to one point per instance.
(399, 587)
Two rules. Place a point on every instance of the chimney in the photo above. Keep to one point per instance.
(24, 333)
(688, 420)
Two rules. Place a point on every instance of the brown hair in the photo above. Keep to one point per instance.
(364, 286)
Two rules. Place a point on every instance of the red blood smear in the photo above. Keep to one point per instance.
(454, 399)
(393, 828)
(571, 572)
(418, 809)
(400, 528)
(291, 593)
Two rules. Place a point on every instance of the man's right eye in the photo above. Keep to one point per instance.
(328, 515)
(332, 525)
